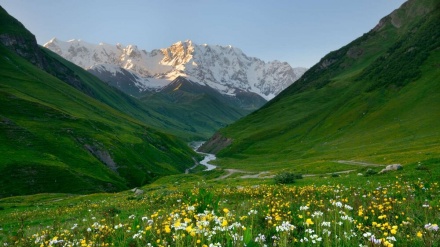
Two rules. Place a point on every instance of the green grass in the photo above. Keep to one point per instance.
(379, 107)
(46, 127)
(391, 199)
(64, 130)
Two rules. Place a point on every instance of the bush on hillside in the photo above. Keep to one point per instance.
(370, 172)
(286, 177)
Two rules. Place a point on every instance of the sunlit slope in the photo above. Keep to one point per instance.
(54, 138)
(376, 99)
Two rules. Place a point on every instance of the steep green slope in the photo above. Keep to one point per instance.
(54, 137)
(376, 99)
(17, 38)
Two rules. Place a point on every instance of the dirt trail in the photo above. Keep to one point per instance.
(195, 165)
(263, 175)
(330, 173)
(230, 172)
(358, 163)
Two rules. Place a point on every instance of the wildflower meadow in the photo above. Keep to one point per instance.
(396, 213)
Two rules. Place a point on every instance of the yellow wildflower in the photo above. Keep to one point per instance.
(309, 222)
(225, 222)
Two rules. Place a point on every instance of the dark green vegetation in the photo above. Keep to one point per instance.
(202, 109)
(376, 100)
(286, 177)
(63, 130)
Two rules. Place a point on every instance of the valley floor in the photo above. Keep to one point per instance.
(352, 209)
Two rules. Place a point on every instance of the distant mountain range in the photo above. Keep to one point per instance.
(224, 68)
(377, 99)
(212, 86)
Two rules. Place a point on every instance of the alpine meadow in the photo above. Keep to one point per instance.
(205, 146)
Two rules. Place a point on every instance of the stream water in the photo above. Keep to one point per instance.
(208, 157)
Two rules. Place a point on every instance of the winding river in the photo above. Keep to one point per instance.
(206, 160)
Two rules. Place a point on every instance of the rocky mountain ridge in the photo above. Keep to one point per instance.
(224, 68)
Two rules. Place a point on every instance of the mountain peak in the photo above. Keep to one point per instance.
(184, 43)
(53, 40)
(225, 68)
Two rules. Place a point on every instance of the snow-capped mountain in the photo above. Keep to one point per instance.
(224, 68)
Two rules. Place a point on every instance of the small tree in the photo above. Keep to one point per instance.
(286, 177)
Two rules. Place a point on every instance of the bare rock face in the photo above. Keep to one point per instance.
(215, 144)
(103, 156)
(137, 192)
(24, 46)
(393, 167)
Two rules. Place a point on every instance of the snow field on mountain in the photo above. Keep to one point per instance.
(224, 68)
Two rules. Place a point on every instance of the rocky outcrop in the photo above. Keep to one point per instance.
(103, 156)
(215, 144)
(393, 167)
(15, 37)
(24, 46)
(27, 48)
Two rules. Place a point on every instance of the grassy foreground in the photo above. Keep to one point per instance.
(394, 209)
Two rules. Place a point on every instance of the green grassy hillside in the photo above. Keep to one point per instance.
(63, 130)
(376, 99)
(54, 138)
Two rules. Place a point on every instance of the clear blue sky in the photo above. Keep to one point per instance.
(297, 31)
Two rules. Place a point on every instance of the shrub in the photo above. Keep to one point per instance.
(110, 211)
(422, 167)
(286, 178)
(370, 172)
